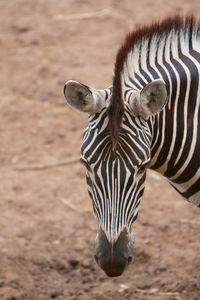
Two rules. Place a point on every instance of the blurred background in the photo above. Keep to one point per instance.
(47, 228)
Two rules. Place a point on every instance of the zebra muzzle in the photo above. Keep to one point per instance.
(113, 258)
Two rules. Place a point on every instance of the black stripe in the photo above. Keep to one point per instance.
(192, 190)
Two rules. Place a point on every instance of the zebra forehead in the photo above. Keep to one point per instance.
(145, 36)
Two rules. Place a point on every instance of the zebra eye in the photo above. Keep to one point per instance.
(85, 163)
(142, 168)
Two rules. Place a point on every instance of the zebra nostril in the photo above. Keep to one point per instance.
(130, 260)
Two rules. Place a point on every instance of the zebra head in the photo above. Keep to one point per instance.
(116, 170)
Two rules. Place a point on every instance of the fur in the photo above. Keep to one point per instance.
(116, 108)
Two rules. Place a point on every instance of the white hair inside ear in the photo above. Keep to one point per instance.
(83, 98)
(150, 100)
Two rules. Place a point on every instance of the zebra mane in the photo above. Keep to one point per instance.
(147, 39)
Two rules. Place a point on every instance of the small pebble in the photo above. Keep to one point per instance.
(122, 288)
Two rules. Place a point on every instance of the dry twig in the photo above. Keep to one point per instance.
(88, 15)
(79, 209)
(155, 291)
(185, 221)
(47, 166)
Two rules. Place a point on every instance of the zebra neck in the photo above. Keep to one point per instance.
(175, 141)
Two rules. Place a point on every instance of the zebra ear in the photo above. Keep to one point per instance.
(83, 98)
(150, 100)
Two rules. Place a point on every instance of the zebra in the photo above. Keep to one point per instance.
(148, 118)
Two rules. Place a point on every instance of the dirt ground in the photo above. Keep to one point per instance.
(47, 228)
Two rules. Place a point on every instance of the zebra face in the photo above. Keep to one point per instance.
(115, 183)
(115, 177)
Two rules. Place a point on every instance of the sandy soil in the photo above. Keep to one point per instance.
(46, 221)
